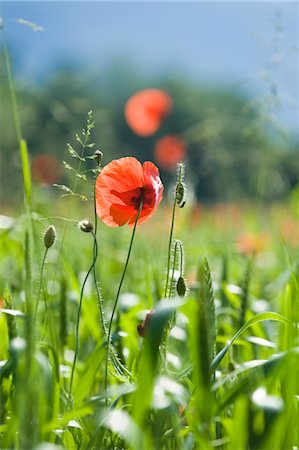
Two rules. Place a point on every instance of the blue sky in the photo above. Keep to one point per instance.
(224, 43)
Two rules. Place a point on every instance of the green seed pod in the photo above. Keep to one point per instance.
(50, 236)
(86, 226)
(181, 287)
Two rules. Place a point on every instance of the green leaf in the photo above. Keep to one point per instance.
(63, 421)
(26, 171)
(256, 319)
(150, 359)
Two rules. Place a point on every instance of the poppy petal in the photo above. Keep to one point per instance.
(143, 216)
(122, 175)
(152, 184)
(120, 215)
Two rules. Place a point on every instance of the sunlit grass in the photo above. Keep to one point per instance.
(185, 404)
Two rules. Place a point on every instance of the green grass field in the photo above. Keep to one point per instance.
(218, 367)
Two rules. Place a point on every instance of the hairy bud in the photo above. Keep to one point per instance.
(180, 194)
(98, 155)
(180, 188)
(181, 287)
(49, 236)
(86, 226)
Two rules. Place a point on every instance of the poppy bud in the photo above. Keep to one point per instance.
(142, 327)
(180, 188)
(49, 237)
(180, 191)
(98, 155)
(86, 226)
(181, 287)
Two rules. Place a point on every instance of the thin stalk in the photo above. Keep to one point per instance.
(95, 252)
(182, 259)
(78, 321)
(175, 202)
(181, 262)
(117, 297)
(169, 247)
(40, 284)
(65, 230)
(117, 364)
(173, 267)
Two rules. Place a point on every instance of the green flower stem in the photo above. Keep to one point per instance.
(120, 368)
(167, 292)
(40, 284)
(173, 267)
(169, 248)
(95, 252)
(117, 297)
(78, 318)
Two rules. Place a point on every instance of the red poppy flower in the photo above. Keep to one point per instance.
(45, 169)
(169, 150)
(146, 110)
(120, 188)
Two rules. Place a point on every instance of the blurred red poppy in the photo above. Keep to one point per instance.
(120, 188)
(169, 150)
(46, 169)
(146, 110)
(251, 244)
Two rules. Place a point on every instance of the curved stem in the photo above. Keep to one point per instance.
(117, 297)
(78, 319)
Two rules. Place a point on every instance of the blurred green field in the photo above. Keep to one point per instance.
(249, 401)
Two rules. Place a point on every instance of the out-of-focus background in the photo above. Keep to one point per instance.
(230, 68)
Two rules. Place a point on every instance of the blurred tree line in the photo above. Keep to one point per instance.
(231, 154)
